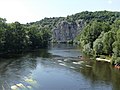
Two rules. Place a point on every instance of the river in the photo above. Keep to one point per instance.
(56, 68)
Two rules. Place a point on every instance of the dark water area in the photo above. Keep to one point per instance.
(57, 68)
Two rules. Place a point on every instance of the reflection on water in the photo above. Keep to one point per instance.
(103, 74)
(14, 70)
(57, 68)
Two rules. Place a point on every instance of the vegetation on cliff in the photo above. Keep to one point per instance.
(65, 31)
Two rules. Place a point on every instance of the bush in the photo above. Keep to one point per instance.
(113, 60)
(102, 56)
(117, 60)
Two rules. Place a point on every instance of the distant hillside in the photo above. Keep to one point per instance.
(67, 28)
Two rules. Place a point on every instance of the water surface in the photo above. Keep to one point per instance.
(57, 68)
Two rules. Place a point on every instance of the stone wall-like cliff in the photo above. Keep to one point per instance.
(66, 31)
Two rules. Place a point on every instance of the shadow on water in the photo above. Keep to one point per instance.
(15, 67)
(101, 73)
(35, 53)
(14, 70)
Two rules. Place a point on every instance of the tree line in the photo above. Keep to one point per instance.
(16, 37)
(101, 38)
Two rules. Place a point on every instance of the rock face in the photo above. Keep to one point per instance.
(66, 31)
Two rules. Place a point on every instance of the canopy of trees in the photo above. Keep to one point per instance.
(15, 37)
(102, 38)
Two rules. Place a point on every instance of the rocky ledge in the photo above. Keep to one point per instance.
(67, 31)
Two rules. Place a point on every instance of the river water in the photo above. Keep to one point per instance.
(56, 68)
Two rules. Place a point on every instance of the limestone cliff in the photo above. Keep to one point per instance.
(67, 31)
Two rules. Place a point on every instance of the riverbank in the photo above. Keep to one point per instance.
(105, 60)
(117, 66)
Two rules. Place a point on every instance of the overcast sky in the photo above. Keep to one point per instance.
(25, 11)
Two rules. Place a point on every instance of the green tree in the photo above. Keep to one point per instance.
(35, 37)
(108, 40)
(116, 45)
(98, 47)
(3, 26)
(15, 38)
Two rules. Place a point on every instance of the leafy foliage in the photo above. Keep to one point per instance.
(16, 37)
(102, 35)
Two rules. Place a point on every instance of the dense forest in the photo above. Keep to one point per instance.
(101, 38)
(100, 35)
(16, 37)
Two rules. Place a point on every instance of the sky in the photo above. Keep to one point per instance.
(25, 11)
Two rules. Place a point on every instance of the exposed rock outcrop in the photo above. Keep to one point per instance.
(67, 31)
